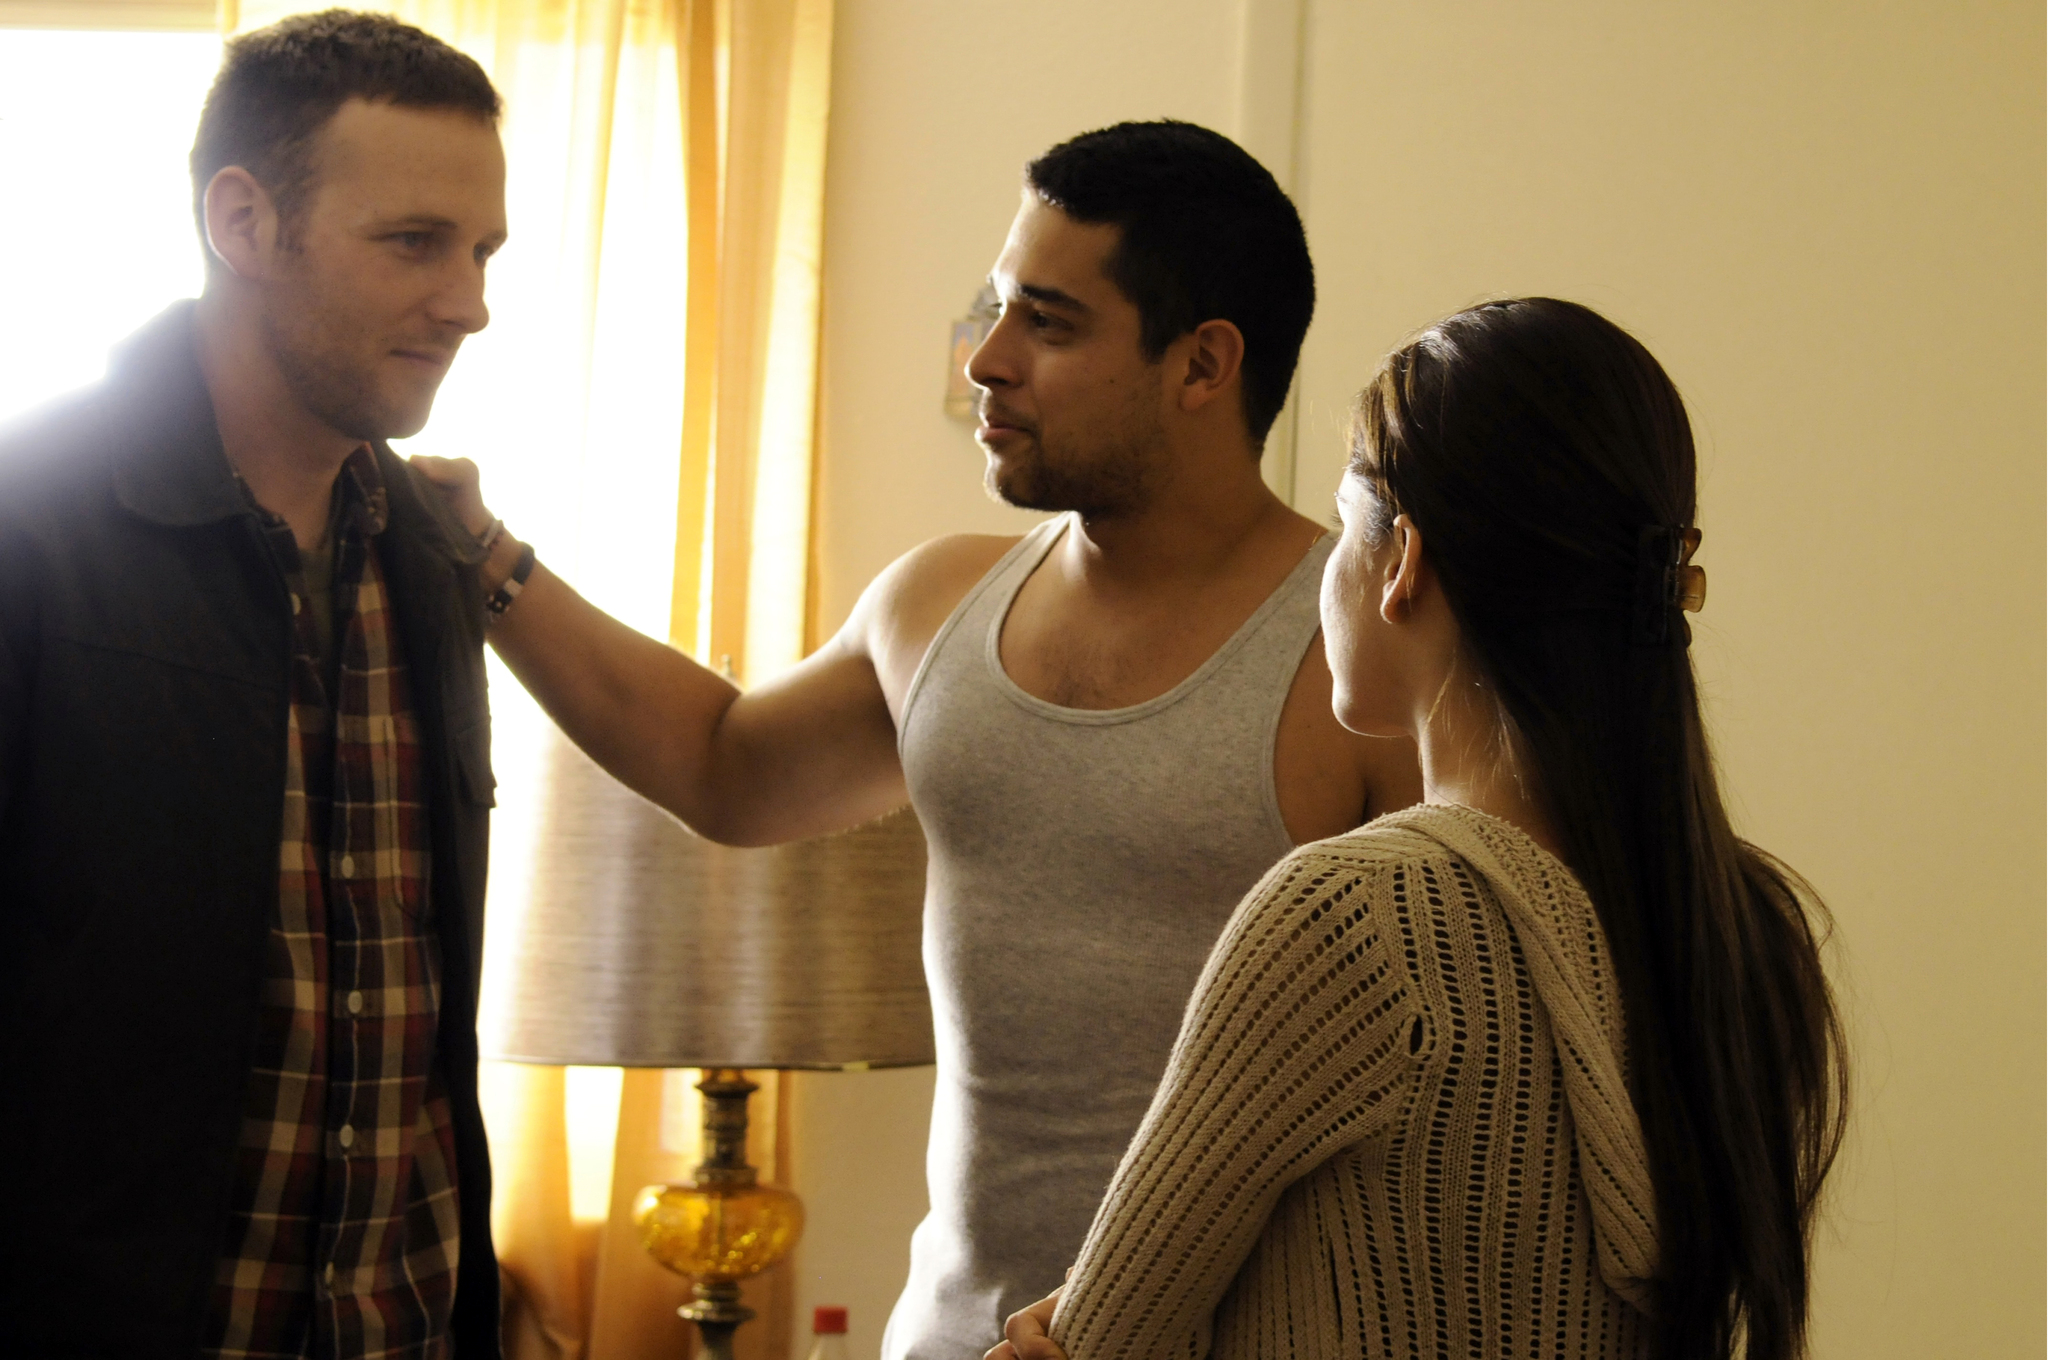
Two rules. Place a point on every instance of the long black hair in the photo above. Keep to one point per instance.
(1548, 463)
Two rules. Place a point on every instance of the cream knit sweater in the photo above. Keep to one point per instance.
(1395, 1124)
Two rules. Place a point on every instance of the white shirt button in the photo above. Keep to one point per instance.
(355, 1003)
(347, 1135)
(348, 866)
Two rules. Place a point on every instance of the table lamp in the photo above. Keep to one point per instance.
(643, 945)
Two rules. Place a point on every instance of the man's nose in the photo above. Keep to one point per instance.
(994, 361)
(461, 303)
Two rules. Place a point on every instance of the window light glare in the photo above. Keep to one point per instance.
(96, 236)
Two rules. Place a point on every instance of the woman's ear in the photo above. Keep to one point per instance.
(1405, 570)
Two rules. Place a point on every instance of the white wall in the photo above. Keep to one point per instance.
(1827, 222)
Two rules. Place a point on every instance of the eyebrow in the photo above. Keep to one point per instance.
(1052, 297)
(429, 220)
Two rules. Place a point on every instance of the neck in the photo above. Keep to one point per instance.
(1463, 762)
(1208, 508)
(288, 456)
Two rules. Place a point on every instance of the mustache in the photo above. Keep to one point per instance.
(993, 414)
(436, 347)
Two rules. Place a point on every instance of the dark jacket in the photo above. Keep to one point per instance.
(145, 643)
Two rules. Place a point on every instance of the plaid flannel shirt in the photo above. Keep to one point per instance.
(344, 1233)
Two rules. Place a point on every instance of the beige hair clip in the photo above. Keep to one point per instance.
(1666, 582)
(1689, 583)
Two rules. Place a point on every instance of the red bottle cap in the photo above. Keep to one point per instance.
(827, 1320)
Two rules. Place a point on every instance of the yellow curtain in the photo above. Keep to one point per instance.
(643, 406)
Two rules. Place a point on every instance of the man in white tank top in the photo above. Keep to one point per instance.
(1110, 727)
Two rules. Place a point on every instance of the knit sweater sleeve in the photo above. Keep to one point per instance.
(1303, 1037)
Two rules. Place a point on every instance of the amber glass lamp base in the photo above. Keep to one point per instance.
(722, 1226)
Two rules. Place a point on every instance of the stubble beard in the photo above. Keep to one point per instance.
(311, 341)
(1110, 477)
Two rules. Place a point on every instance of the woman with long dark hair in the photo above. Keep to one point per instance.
(1547, 1065)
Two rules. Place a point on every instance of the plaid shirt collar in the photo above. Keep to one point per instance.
(361, 502)
(365, 501)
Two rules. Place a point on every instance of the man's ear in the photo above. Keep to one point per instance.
(1407, 572)
(241, 223)
(1214, 363)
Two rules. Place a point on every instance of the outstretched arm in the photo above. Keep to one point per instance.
(808, 752)
(1301, 1038)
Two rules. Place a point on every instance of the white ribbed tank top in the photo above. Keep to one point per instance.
(1083, 862)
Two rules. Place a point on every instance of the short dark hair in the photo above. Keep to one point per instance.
(279, 85)
(1208, 234)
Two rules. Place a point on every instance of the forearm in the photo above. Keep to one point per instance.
(638, 707)
(655, 719)
(807, 752)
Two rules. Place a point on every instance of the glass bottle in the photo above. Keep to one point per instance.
(828, 1328)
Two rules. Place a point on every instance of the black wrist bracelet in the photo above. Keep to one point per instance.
(501, 599)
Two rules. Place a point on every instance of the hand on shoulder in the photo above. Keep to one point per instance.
(460, 485)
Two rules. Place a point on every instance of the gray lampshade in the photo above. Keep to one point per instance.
(643, 945)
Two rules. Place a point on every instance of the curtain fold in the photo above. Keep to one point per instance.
(643, 406)
(756, 198)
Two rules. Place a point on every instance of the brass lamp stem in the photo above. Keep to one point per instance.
(716, 1309)
(723, 1225)
(715, 1304)
(725, 1092)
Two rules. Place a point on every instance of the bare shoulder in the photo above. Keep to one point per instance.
(914, 595)
(1330, 779)
(947, 566)
(904, 607)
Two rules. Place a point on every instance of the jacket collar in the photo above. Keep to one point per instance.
(175, 471)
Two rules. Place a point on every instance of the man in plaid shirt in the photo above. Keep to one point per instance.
(244, 756)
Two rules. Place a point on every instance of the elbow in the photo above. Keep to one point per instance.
(728, 830)
(721, 803)
(710, 810)
(706, 819)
